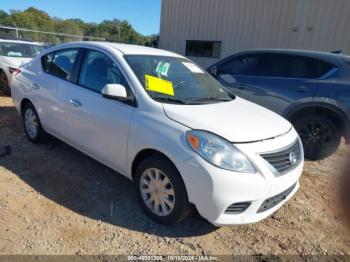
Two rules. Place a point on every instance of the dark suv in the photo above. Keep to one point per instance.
(311, 89)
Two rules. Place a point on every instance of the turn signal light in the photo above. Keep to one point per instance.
(193, 141)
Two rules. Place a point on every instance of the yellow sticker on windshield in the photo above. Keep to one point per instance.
(159, 85)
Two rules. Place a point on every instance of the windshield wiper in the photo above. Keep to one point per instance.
(171, 99)
(208, 99)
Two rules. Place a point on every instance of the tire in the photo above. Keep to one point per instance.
(4, 84)
(31, 124)
(165, 215)
(319, 135)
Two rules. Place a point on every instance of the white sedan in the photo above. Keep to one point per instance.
(162, 121)
(14, 53)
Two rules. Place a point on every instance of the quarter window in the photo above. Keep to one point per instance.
(203, 48)
(98, 70)
(47, 61)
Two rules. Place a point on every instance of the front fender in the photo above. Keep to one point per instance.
(322, 102)
(155, 131)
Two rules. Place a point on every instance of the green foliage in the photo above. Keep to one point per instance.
(112, 30)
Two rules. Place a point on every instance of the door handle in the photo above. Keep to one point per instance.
(35, 86)
(303, 89)
(75, 103)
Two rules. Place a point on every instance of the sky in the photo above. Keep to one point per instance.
(144, 15)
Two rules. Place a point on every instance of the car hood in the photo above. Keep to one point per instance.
(15, 61)
(236, 121)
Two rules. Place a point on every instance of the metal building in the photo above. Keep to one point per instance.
(208, 30)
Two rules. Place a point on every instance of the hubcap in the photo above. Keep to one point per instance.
(157, 192)
(31, 123)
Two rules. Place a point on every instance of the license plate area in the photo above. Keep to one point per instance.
(275, 200)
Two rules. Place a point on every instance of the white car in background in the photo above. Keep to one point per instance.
(162, 121)
(14, 53)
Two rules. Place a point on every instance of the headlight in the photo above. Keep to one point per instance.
(218, 151)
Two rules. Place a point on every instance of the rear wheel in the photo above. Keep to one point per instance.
(31, 123)
(319, 134)
(4, 84)
(161, 191)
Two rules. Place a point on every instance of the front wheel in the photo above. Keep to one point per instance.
(161, 190)
(319, 135)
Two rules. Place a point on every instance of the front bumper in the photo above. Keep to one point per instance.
(212, 190)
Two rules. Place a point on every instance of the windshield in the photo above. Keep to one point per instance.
(19, 49)
(176, 80)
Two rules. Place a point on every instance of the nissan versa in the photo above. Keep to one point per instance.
(162, 121)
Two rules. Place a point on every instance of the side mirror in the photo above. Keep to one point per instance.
(213, 71)
(114, 91)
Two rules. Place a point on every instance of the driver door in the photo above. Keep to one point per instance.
(96, 125)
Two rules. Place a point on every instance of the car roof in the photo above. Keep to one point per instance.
(139, 50)
(296, 52)
(333, 58)
(125, 49)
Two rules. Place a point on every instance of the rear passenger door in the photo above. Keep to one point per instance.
(284, 79)
(96, 125)
(58, 75)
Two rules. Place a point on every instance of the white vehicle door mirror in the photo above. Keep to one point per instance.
(114, 91)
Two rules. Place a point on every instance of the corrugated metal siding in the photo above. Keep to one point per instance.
(250, 24)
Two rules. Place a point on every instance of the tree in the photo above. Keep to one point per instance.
(112, 30)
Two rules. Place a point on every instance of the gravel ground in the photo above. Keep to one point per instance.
(55, 200)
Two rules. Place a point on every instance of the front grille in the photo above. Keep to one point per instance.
(275, 200)
(237, 208)
(285, 160)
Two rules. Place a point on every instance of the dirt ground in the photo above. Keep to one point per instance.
(55, 200)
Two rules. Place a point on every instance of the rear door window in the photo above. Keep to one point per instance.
(60, 63)
(291, 66)
(46, 61)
